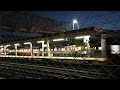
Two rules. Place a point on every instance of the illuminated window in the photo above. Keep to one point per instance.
(115, 49)
(99, 48)
(63, 49)
(79, 48)
(55, 49)
(40, 49)
(35, 50)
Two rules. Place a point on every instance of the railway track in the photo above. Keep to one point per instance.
(27, 70)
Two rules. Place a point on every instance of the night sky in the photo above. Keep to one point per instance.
(100, 19)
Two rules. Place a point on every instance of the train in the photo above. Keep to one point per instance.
(87, 44)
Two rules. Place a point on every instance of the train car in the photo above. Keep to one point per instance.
(24, 52)
(91, 45)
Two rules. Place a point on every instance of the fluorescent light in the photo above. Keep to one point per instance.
(17, 44)
(86, 37)
(40, 41)
(27, 43)
(45, 45)
(60, 39)
(7, 45)
(1, 49)
(1, 46)
(80, 37)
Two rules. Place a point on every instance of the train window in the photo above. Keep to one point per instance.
(115, 49)
(99, 48)
(41, 49)
(55, 49)
(35, 50)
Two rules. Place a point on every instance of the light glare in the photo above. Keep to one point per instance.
(115, 49)
(60, 39)
(75, 21)
(27, 43)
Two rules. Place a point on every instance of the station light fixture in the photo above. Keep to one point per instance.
(45, 45)
(81, 37)
(27, 43)
(60, 39)
(30, 47)
(7, 45)
(1, 49)
(17, 44)
(40, 41)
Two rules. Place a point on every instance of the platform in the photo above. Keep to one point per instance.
(46, 57)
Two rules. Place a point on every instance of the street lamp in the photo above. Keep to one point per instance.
(75, 22)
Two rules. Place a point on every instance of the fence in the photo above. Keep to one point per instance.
(60, 44)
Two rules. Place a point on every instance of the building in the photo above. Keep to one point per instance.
(21, 21)
(15, 25)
